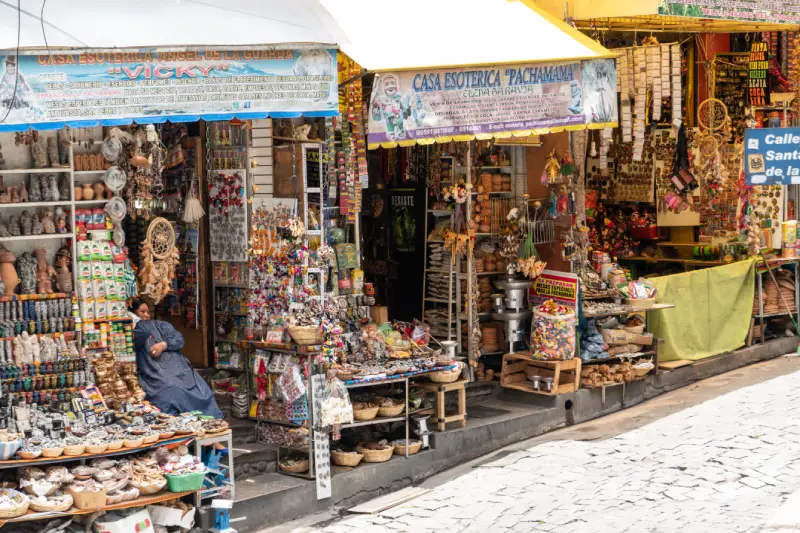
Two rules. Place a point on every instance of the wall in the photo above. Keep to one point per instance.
(535, 158)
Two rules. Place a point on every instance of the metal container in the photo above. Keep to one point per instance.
(516, 291)
(449, 349)
(535, 381)
(498, 302)
(548, 384)
(515, 325)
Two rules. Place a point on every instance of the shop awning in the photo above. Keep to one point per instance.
(680, 16)
(100, 24)
(387, 35)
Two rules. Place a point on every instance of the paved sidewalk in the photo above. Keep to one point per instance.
(727, 465)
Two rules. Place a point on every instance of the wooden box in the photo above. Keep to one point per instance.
(518, 367)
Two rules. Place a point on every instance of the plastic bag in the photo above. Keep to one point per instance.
(291, 384)
(553, 336)
(334, 406)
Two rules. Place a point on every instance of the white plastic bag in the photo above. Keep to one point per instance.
(335, 407)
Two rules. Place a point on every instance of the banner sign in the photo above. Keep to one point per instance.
(552, 285)
(428, 104)
(772, 156)
(747, 10)
(150, 85)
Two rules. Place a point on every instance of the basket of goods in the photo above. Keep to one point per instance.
(121, 495)
(184, 473)
(294, 466)
(57, 502)
(83, 472)
(306, 335)
(343, 458)
(96, 446)
(365, 411)
(13, 503)
(389, 407)
(74, 446)
(376, 452)
(215, 426)
(553, 332)
(403, 445)
(34, 481)
(87, 494)
(52, 448)
(643, 368)
(166, 434)
(639, 294)
(10, 442)
(150, 438)
(447, 376)
(30, 451)
(114, 444)
(133, 442)
(147, 476)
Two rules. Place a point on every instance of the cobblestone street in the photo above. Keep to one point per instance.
(726, 465)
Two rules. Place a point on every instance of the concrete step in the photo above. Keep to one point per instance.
(244, 431)
(250, 460)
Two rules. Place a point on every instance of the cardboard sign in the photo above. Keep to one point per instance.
(559, 286)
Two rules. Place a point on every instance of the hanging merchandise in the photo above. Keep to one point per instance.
(158, 260)
(227, 217)
(194, 209)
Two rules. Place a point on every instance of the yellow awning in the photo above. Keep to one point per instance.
(425, 34)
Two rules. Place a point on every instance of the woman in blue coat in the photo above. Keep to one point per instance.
(165, 374)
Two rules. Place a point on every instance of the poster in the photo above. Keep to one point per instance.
(772, 156)
(227, 217)
(435, 103)
(153, 85)
(552, 285)
(402, 203)
(747, 10)
(758, 66)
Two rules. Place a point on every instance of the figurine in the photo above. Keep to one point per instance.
(44, 188)
(37, 226)
(63, 187)
(61, 221)
(13, 226)
(7, 271)
(44, 272)
(27, 271)
(13, 195)
(63, 275)
(35, 192)
(26, 224)
(4, 229)
(48, 225)
(39, 155)
(23, 192)
(53, 185)
(52, 150)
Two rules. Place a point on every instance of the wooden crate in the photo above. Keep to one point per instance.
(517, 367)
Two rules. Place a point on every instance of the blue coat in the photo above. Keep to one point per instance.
(169, 380)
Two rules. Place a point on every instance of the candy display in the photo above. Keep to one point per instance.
(553, 332)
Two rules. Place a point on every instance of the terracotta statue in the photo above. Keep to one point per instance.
(63, 275)
(88, 192)
(48, 225)
(7, 271)
(44, 272)
(99, 189)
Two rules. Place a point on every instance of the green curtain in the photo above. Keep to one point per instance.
(711, 315)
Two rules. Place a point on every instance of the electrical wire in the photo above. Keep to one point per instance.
(44, 36)
(16, 60)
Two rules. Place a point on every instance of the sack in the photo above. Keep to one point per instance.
(683, 180)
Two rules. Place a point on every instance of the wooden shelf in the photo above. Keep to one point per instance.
(672, 260)
(35, 204)
(50, 170)
(38, 237)
(516, 367)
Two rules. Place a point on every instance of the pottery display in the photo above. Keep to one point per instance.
(99, 189)
(7, 271)
(88, 191)
(78, 193)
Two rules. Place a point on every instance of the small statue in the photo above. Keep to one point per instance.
(61, 221)
(23, 192)
(26, 265)
(13, 195)
(63, 275)
(13, 226)
(37, 226)
(39, 155)
(53, 185)
(26, 223)
(35, 192)
(52, 150)
(4, 229)
(44, 272)
(48, 225)
(63, 187)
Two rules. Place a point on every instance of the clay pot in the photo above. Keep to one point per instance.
(78, 193)
(99, 189)
(88, 192)
(139, 161)
(7, 272)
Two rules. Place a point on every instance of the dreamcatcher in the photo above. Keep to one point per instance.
(158, 259)
(715, 130)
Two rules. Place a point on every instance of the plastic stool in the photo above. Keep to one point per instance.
(222, 516)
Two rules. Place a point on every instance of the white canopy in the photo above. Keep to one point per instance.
(165, 23)
(419, 34)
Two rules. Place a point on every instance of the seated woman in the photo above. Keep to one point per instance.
(165, 374)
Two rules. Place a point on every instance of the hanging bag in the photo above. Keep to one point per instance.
(683, 180)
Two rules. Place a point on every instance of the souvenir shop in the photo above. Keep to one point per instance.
(103, 201)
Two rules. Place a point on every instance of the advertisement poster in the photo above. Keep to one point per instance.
(559, 286)
(748, 10)
(772, 156)
(404, 219)
(126, 85)
(435, 103)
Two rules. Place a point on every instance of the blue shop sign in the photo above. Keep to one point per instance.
(772, 156)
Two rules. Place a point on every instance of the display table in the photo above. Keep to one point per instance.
(439, 414)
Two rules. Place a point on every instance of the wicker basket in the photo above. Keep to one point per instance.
(365, 414)
(150, 488)
(297, 468)
(114, 445)
(445, 376)
(150, 439)
(52, 507)
(29, 455)
(21, 509)
(305, 335)
(391, 411)
(78, 449)
(640, 303)
(344, 376)
(376, 456)
(413, 448)
(340, 458)
(52, 453)
(132, 443)
(96, 448)
(166, 435)
(643, 370)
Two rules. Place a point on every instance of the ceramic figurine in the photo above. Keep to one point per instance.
(63, 187)
(27, 272)
(52, 182)
(35, 192)
(61, 221)
(78, 193)
(23, 192)
(26, 223)
(48, 224)
(63, 275)
(7, 272)
(52, 150)
(44, 272)
(39, 155)
(13, 195)
(4, 229)
(63, 149)
(37, 228)
(99, 188)
(13, 226)
(88, 192)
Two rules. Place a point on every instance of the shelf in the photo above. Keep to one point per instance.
(278, 422)
(105, 321)
(231, 313)
(229, 286)
(89, 172)
(496, 193)
(509, 167)
(435, 241)
(487, 234)
(440, 212)
(671, 260)
(38, 237)
(138, 502)
(49, 170)
(36, 204)
(618, 358)
(229, 367)
(91, 202)
(378, 420)
(439, 300)
(290, 139)
(772, 315)
(435, 271)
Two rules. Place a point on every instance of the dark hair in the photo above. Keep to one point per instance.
(137, 303)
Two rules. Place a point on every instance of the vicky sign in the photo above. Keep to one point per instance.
(418, 105)
(772, 156)
(149, 86)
